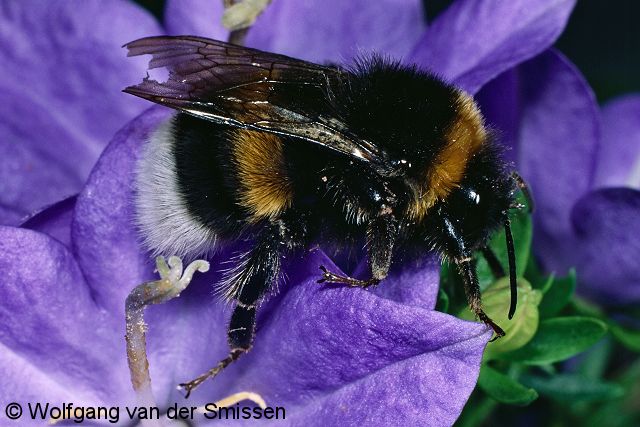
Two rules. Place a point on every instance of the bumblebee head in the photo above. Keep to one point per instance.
(474, 210)
(479, 205)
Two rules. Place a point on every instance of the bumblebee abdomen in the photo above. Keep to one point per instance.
(186, 198)
(264, 187)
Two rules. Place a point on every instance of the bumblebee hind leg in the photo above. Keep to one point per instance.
(247, 283)
(240, 337)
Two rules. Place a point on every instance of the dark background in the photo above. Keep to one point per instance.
(602, 39)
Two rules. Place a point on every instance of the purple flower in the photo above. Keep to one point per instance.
(325, 354)
(329, 355)
(62, 74)
(582, 164)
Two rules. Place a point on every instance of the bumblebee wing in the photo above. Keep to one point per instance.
(248, 88)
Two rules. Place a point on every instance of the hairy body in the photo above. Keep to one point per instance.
(292, 154)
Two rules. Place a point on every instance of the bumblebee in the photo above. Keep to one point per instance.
(287, 154)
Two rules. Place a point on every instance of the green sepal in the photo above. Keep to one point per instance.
(574, 388)
(627, 337)
(558, 339)
(534, 275)
(519, 330)
(558, 294)
(505, 389)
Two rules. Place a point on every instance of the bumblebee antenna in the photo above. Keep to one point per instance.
(512, 268)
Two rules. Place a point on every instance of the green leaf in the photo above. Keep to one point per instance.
(533, 274)
(558, 339)
(628, 338)
(442, 304)
(548, 282)
(477, 410)
(582, 307)
(574, 388)
(593, 362)
(503, 388)
(558, 295)
(522, 231)
(623, 412)
(448, 277)
(451, 283)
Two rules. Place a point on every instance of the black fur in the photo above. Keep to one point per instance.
(206, 178)
(339, 201)
(406, 113)
(476, 209)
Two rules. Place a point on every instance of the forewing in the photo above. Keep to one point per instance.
(248, 88)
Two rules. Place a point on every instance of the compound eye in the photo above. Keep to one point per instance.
(473, 196)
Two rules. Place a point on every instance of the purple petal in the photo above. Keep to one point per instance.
(619, 155)
(607, 248)
(11, 214)
(103, 232)
(474, 41)
(337, 355)
(556, 143)
(63, 69)
(557, 149)
(315, 30)
(54, 221)
(185, 335)
(195, 17)
(55, 344)
(409, 282)
(360, 343)
(500, 103)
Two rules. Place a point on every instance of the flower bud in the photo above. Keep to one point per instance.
(524, 324)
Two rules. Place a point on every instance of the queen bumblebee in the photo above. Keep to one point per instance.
(289, 153)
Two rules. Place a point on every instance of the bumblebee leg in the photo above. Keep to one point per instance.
(381, 236)
(472, 290)
(467, 269)
(249, 281)
(329, 277)
(240, 337)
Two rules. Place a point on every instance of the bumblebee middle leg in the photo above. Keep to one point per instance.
(381, 237)
(330, 277)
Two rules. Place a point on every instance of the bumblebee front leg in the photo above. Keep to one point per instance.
(257, 270)
(381, 237)
(467, 269)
